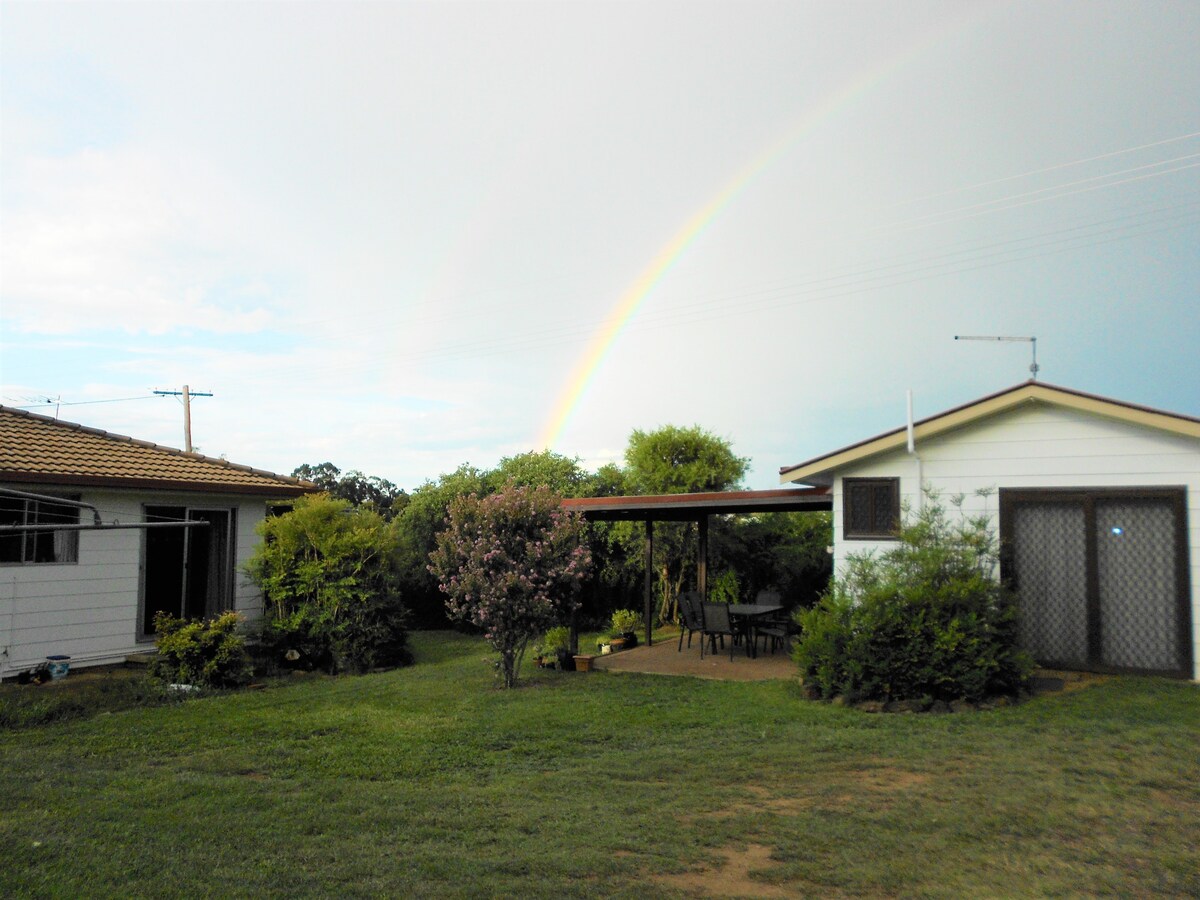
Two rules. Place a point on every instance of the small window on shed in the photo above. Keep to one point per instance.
(870, 508)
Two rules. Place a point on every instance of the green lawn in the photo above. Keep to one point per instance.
(429, 781)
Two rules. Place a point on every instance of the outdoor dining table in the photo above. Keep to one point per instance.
(746, 615)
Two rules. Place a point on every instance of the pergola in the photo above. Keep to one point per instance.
(694, 508)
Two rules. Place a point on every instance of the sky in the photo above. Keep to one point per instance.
(404, 236)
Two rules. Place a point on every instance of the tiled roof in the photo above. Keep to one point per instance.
(38, 449)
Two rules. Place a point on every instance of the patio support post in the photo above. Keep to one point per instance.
(649, 612)
(702, 559)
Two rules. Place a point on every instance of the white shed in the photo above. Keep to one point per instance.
(1095, 501)
(92, 593)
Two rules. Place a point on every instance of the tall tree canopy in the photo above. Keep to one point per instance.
(370, 491)
(674, 460)
(541, 469)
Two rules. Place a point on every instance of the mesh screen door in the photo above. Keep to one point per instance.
(1137, 585)
(1050, 553)
(1101, 576)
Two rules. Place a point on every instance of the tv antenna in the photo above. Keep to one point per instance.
(1032, 341)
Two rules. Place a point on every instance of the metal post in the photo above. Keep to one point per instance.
(649, 612)
(702, 559)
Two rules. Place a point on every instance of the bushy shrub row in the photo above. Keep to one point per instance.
(925, 619)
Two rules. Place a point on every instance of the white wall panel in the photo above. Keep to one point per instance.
(89, 609)
(1038, 446)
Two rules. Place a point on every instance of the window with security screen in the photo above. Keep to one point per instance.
(870, 508)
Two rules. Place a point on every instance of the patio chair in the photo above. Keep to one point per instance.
(693, 617)
(717, 624)
(774, 630)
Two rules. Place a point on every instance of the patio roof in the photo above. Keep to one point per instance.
(695, 507)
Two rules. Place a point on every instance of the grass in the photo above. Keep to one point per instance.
(430, 781)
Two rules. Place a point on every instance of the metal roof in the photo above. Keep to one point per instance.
(691, 507)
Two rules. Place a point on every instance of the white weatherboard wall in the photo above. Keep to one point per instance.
(89, 610)
(1038, 446)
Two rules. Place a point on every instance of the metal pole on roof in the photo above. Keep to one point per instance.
(1033, 367)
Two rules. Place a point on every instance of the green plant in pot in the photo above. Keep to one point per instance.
(556, 646)
(625, 623)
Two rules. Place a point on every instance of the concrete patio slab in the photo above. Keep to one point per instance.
(664, 659)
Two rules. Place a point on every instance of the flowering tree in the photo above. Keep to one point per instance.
(511, 564)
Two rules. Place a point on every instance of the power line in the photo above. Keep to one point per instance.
(55, 402)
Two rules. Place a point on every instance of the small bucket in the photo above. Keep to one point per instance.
(59, 666)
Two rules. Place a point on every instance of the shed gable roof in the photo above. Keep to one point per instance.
(38, 449)
(986, 407)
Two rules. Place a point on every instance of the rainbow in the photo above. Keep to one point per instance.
(626, 307)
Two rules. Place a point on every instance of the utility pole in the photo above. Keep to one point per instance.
(187, 411)
(1033, 366)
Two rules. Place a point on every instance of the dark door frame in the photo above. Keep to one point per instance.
(1086, 497)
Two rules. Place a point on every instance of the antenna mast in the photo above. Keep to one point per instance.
(1032, 341)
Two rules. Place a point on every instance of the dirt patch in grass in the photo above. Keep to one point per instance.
(729, 875)
(887, 780)
(1051, 680)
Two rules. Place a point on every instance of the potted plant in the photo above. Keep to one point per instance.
(555, 646)
(625, 623)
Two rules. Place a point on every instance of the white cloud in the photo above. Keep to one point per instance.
(128, 239)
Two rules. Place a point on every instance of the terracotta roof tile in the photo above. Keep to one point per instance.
(35, 448)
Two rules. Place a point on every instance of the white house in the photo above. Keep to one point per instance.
(1096, 501)
(91, 591)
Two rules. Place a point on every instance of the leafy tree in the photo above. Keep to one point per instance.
(323, 475)
(327, 572)
(674, 460)
(557, 472)
(417, 528)
(361, 490)
(924, 620)
(609, 481)
(511, 563)
(782, 551)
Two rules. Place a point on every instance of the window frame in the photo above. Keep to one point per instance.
(892, 484)
(42, 512)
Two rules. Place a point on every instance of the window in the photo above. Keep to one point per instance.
(870, 508)
(50, 546)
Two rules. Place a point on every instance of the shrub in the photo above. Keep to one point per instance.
(208, 653)
(510, 563)
(327, 572)
(555, 644)
(724, 588)
(625, 621)
(926, 619)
